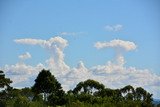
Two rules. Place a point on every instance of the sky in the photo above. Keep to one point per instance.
(112, 41)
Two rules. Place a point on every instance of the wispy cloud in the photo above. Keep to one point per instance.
(71, 33)
(114, 28)
(25, 56)
(51, 43)
(68, 33)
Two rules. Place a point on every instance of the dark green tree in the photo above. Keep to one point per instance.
(127, 89)
(4, 88)
(88, 86)
(4, 82)
(141, 94)
(128, 92)
(27, 92)
(21, 101)
(114, 94)
(105, 93)
(58, 98)
(47, 85)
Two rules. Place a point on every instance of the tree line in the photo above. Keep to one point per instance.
(47, 91)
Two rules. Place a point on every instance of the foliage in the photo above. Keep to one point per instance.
(47, 91)
(88, 86)
(124, 97)
(46, 84)
(4, 81)
(4, 88)
(51, 89)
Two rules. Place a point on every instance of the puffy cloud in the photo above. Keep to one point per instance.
(120, 44)
(22, 69)
(74, 76)
(116, 75)
(114, 28)
(21, 74)
(24, 56)
(113, 74)
(55, 46)
(57, 66)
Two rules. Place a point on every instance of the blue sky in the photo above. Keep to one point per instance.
(85, 22)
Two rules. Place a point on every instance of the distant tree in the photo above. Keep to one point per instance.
(128, 92)
(105, 92)
(149, 97)
(58, 98)
(48, 85)
(88, 86)
(141, 93)
(38, 97)
(4, 81)
(14, 93)
(158, 105)
(27, 92)
(78, 88)
(21, 101)
(127, 89)
(4, 88)
(114, 94)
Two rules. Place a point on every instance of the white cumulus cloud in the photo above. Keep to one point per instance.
(113, 74)
(55, 46)
(21, 73)
(116, 43)
(74, 76)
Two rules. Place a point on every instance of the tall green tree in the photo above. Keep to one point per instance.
(47, 84)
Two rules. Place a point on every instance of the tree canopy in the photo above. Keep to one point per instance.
(88, 86)
(4, 81)
(47, 84)
(47, 91)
